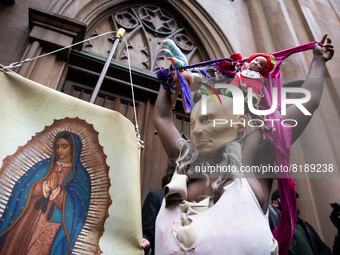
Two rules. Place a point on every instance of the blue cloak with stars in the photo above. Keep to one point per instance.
(72, 216)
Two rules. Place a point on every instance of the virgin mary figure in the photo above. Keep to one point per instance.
(48, 205)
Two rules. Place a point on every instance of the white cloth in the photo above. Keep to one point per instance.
(176, 188)
(235, 225)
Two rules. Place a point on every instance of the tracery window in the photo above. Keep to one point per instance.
(146, 26)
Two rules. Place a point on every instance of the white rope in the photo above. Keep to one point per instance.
(139, 140)
(20, 63)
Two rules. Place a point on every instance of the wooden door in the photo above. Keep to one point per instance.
(147, 26)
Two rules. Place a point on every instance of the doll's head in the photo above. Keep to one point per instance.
(262, 63)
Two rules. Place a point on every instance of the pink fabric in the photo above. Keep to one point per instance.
(282, 137)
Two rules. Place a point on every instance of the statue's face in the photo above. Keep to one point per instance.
(63, 149)
(258, 64)
(207, 138)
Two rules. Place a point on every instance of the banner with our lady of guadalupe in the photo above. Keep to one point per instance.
(69, 174)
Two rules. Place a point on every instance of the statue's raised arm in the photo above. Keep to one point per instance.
(314, 83)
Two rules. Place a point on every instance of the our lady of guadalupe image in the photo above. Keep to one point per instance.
(48, 207)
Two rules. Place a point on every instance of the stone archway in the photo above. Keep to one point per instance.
(75, 72)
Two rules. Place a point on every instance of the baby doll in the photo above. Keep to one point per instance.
(225, 71)
(252, 74)
(177, 80)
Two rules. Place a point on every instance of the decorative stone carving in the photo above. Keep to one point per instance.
(184, 42)
(157, 20)
(146, 27)
(126, 20)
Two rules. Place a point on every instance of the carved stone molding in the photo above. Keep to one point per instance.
(55, 31)
(146, 26)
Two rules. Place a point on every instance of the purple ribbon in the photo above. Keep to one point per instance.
(163, 76)
(185, 91)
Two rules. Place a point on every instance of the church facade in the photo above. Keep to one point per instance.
(203, 30)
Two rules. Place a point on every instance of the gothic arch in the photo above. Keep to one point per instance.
(147, 25)
(211, 37)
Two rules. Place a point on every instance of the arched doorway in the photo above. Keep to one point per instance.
(147, 25)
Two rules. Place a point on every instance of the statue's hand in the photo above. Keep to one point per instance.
(326, 51)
